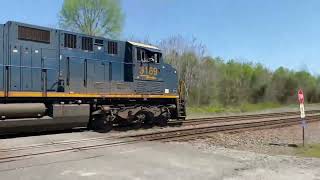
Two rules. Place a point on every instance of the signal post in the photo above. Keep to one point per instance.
(302, 114)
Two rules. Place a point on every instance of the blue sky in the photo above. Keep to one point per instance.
(273, 32)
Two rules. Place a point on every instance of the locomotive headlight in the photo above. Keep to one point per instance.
(99, 47)
(175, 72)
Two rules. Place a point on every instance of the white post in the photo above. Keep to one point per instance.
(303, 121)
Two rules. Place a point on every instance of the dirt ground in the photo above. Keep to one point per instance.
(268, 141)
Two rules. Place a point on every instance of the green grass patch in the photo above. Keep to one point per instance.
(241, 108)
(312, 150)
(258, 107)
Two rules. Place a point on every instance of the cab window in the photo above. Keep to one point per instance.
(147, 56)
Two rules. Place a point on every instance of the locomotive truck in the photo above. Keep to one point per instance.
(56, 79)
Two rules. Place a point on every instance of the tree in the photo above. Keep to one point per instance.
(185, 55)
(92, 17)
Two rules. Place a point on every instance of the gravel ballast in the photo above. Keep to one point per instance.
(282, 140)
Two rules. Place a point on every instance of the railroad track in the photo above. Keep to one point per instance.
(219, 119)
(246, 123)
(234, 127)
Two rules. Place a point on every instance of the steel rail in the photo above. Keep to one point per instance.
(233, 128)
(219, 119)
(254, 115)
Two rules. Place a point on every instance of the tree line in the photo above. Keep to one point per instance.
(216, 81)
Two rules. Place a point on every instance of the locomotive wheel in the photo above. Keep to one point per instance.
(162, 121)
(149, 121)
(101, 123)
(137, 125)
(139, 119)
(143, 117)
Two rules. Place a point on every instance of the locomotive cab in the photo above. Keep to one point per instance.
(153, 75)
(151, 72)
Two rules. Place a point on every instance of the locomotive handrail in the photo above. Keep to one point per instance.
(48, 58)
(182, 92)
(29, 67)
(99, 59)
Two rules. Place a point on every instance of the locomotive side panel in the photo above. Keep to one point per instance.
(170, 78)
(97, 76)
(46, 60)
(26, 70)
(1, 61)
(90, 64)
(32, 59)
(50, 69)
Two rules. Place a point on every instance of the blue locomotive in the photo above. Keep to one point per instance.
(55, 79)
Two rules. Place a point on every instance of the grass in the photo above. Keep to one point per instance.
(312, 150)
(240, 108)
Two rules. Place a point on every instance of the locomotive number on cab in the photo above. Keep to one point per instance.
(149, 71)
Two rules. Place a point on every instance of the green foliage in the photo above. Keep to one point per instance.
(214, 84)
(208, 109)
(312, 150)
(246, 107)
(258, 107)
(92, 17)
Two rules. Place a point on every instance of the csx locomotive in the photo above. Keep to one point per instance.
(55, 79)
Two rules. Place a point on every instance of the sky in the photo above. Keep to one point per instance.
(272, 32)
